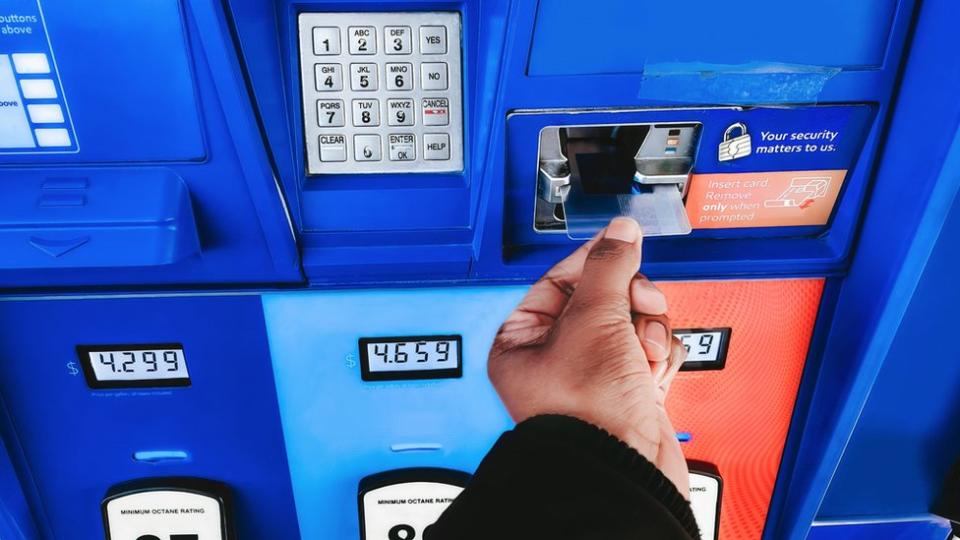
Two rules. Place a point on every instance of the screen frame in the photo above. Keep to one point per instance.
(721, 361)
(83, 352)
(448, 373)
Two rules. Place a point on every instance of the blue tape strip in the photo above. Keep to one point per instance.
(753, 83)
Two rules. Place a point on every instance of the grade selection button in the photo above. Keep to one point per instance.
(363, 39)
(367, 148)
(400, 112)
(399, 76)
(403, 146)
(330, 113)
(436, 146)
(31, 63)
(433, 40)
(436, 111)
(326, 41)
(333, 148)
(397, 40)
(329, 77)
(433, 76)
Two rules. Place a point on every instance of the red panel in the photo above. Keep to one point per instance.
(739, 416)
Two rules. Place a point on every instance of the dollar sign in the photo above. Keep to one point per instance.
(351, 361)
(72, 368)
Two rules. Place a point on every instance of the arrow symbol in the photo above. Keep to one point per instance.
(57, 248)
(805, 204)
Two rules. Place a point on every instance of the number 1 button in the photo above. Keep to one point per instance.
(326, 40)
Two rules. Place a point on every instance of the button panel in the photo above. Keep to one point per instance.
(381, 92)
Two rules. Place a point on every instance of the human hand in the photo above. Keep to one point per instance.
(591, 340)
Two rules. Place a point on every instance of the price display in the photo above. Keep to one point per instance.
(131, 366)
(410, 357)
(706, 347)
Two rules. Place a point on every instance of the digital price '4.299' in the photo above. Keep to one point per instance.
(130, 366)
(410, 357)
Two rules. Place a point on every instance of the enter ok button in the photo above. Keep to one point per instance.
(436, 146)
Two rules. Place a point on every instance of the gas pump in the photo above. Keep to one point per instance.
(255, 253)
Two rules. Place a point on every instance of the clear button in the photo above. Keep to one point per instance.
(333, 148)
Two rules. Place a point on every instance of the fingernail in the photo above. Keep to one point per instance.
(655, 335)
(623, 229)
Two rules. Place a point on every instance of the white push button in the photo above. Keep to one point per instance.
(333, 148)
(400, 112)
(363, 77)
(326, 40)
(397, 40)
(366, 112)
(31, 63)
(403, 147)
(330, 113)
(433, 40)
(329, 77)
(399, 76)
(433, 76)
(38, 89)
(363, 39)
(45, 114)
(47, 137)
(367, 148)
(436, 146)
(436, 111)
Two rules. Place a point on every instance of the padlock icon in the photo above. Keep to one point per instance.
(735, 147)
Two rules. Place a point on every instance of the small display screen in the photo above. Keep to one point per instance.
(410, 357)
(706, 347)
(130, 366)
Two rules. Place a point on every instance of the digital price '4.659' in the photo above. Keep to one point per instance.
(126, 366)
(410, 357)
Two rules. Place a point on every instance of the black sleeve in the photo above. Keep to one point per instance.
(557, 477)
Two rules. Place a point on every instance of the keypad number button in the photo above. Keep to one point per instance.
(400, 112)
(366, 112)
(326, 41)
(329, 77)
(363, 77)
(397, 40)
(433, 40)
(363, 39)
(433, 76)
(367, 148)
(399, 76)
(330, 113)
(436, 111)
(403, 146)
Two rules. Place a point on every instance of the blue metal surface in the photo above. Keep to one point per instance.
(448, 423)
(146, 87)
(915, 529)
(76, 442)
(603, 39)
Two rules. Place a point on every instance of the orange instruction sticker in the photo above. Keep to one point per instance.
(763, 199)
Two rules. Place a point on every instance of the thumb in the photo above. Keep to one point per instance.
(610, 266)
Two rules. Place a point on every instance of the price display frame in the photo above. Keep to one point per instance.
(83, 352)
(711, 365)
(369, 374)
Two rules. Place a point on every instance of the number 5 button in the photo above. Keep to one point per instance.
(363, 77)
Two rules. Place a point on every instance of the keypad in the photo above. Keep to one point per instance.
(382, 92)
